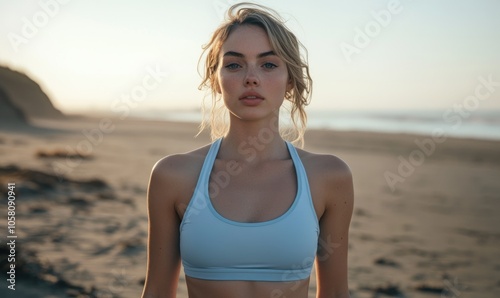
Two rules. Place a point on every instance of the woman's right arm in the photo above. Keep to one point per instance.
(163, 264)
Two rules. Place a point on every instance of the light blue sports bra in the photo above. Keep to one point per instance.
(216, 248)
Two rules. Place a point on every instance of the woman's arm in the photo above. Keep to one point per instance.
(163, 265)
(331, 259)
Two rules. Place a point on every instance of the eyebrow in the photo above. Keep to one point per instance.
(240, 55)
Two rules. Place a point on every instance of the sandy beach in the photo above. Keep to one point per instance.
(425, 222)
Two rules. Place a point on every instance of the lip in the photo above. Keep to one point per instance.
(251, 98)
(251, 95)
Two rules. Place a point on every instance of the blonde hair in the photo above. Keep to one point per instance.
(285, 45)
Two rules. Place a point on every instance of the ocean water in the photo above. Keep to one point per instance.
(474, 124)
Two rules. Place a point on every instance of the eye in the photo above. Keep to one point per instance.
(232, 66)
(269, 65)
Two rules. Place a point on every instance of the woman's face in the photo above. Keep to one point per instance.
(252, 78)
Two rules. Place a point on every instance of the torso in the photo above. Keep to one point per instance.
(246, 199)
(199, 288)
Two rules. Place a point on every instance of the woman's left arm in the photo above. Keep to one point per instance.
(331, 258)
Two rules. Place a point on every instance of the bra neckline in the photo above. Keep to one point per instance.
(213, 156)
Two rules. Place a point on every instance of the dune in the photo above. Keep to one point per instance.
(22, 100)
(9, 113)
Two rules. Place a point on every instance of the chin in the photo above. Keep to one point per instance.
(253, 114)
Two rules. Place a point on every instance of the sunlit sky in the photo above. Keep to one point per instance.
(89, 54)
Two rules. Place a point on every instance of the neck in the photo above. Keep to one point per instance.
(253, 141)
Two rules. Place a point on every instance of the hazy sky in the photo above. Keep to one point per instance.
(363, 54)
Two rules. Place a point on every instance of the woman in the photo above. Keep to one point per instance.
(259, 211)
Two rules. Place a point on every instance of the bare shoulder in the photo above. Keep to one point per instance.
(330, 180)
(327, 165)
(176, 174)
(180, 163)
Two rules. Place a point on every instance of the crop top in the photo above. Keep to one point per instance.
(216, 248)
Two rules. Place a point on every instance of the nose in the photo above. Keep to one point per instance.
(251, 78)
